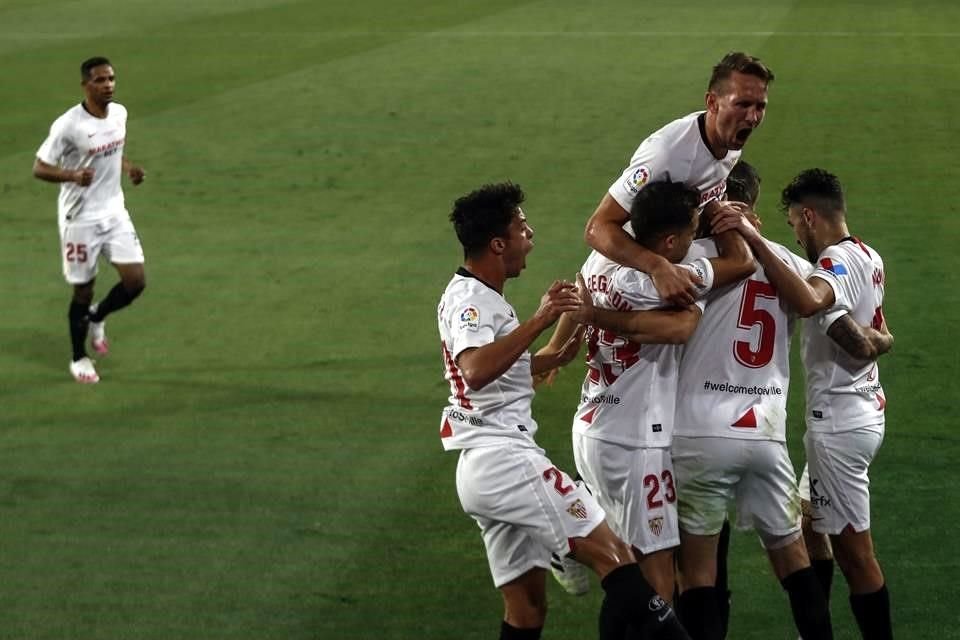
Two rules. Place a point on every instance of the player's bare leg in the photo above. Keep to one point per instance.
(630, 601)
(791, 565)
(869, 598)
(697, 574)
(81, 367)
(132, 283)
(524, 605)
(658, 569)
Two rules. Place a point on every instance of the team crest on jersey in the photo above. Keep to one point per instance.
(578, 510)
(656, 525)
(833, 267)
(637, 180)
(470, 319)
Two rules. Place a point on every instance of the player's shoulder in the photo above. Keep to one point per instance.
(798, 263)
(467, 290)
(69, 117)
(701, 248)
(117, 110)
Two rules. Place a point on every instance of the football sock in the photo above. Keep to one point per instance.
(700, 613)
(723, 589)
(117, 299)
(811, 613)
(872, 611)
(824, 569)
(508, 632)
(79, 321)
(630, 601)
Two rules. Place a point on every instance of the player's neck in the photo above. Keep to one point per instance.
(94, 109)
(831, 235)
(489, 272)
(708, 133)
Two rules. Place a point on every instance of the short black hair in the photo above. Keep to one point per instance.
(661, 208)
(87, 65)
(484, 214)
(816, 188)
(743, 183)
(737, 61)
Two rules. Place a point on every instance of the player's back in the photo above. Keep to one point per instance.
(735, 369)
(470, 315)
(844, 392)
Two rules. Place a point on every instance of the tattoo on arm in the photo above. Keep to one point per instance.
(853, 339)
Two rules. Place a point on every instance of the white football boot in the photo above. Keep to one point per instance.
(83, 372)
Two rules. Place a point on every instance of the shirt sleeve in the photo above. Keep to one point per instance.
(833, 269)
(55, 146)
(703, 269)
(649, 164)
(472, 324)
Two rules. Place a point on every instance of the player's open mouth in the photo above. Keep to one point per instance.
(743, 134)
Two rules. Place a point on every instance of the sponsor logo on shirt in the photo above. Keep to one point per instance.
(713, 193)
(470, 319)
(833, 267)
(637, 180)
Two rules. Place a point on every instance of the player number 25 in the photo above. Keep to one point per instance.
(76, 252)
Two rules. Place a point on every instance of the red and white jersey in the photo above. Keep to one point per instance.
(735, 370)
(677, 152)
(79, 140)
(844, 393)
(473, 314)
(629, 391)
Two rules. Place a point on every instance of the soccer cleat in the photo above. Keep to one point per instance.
(572, 576)
(98, 335)
(83, 372)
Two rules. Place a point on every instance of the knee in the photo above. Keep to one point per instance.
(134, 285)
(527, 613)
(83, 294)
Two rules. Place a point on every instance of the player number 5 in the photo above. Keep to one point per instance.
(751, 316)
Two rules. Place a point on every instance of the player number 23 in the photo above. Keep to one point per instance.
(652, 483)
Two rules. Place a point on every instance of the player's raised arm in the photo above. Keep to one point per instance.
(735, 261)
(604, 233)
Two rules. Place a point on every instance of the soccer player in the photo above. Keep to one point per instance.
(845, 400)
(698, 150)
(525, 506)
(84, 153)
(623, 427)
(730, 442)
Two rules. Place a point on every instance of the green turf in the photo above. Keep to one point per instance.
(261, 458)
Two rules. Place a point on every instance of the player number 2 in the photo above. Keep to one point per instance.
(751, 316)
(557, 476)
(76, 252)
(652, 483)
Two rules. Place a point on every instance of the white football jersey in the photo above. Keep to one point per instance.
(735, 370)
(844, 393)
(677, 152)
(473, 314)
(629, 391)
(79, 140)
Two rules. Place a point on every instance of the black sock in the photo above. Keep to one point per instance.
(810, 611)
(79, 321)
(117, 299)
(700, 611)
(723, 589)
(872, 611)
(508, 632)
(630, 602)
(824, 569)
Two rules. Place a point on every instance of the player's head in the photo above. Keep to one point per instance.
(814, 204)
(490, 221)
(743, 184)
(664, 218)
(736, 100)
(98, 80)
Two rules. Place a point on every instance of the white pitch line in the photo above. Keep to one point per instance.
(20, 35)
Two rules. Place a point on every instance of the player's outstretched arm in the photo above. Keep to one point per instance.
(657, 326)
(51, 173)
(863, 343)
(482, 365)
(806, 297)
(604, 233)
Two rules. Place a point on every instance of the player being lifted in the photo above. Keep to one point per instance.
(525, 506)
(845, 400)
(84, 153)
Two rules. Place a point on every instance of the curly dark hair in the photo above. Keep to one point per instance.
(741, 63)
(816, 188)
(484, 214)
(87, 65)
(743, 183)
(661, 208)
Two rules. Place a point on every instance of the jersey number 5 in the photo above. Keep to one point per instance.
(751, 316)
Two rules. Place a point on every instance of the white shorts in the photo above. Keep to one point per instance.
(803, 486)
(757, 475)
(81, 243)
(525, 507)
(839, 485)
(635, 487)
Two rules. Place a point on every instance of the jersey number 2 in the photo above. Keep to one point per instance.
(751, 316)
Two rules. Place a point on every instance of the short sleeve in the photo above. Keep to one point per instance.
(635, 288)
(649, 164)
(833, 269)
(472, 325)
(703, 269)
(55, 146)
